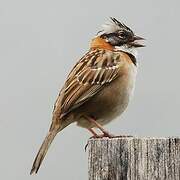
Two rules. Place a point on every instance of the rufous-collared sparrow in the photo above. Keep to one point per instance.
(99, 86)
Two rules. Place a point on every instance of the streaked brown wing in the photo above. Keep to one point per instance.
(90, 74)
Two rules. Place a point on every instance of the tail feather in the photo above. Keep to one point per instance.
(43, 150)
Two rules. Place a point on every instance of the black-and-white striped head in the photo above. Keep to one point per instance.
(118, 34)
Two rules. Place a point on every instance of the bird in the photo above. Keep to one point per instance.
(99, 86)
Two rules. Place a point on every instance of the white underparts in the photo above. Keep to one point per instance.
(130, 50)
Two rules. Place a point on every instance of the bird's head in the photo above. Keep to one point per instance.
(118, 35)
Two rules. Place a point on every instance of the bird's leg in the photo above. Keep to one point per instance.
(93, 132)
(105, 133)
(95, 135)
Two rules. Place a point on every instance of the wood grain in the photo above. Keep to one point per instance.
(134, 158)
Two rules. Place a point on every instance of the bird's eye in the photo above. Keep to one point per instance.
(122, 35)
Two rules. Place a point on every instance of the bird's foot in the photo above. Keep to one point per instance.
(102, 135)
(105, 134)
(123, 136)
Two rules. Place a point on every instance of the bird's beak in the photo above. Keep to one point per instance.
(138, 38)
(135, 42)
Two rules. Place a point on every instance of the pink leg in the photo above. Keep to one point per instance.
(93, 132)
(105, 133)
(95, 135)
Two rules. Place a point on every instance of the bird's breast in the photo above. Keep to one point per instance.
(115, 97)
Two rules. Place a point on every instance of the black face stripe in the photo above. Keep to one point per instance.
(118, 37)
(133, 59)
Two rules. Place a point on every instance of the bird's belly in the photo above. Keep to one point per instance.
(115, 99)
(111, 101)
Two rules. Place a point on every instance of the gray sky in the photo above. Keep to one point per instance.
(41, 40)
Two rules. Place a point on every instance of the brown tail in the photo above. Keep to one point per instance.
(43, 150)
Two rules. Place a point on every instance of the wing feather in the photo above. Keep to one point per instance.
(97, 68)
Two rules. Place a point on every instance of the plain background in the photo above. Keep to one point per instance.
(41, 40)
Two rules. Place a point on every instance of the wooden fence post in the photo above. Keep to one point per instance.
(132, 158)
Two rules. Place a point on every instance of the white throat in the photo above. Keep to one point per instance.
(127, 49)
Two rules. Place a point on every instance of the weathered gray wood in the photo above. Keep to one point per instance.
(134, 159)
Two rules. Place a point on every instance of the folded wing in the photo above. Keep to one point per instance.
(96, 69)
